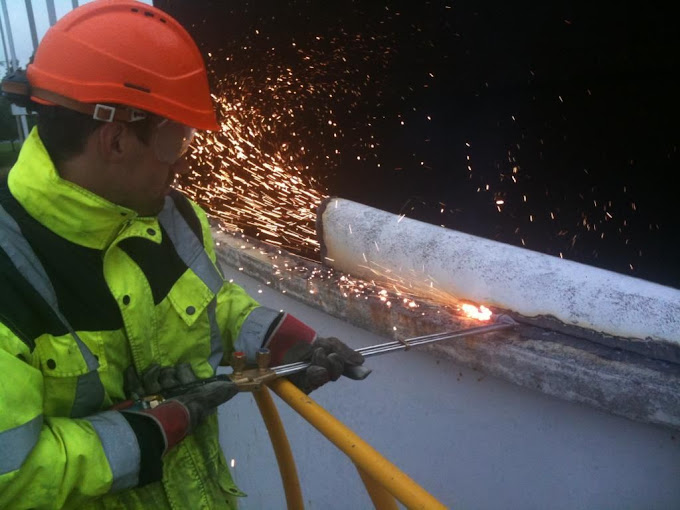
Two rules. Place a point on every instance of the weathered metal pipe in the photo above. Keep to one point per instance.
(623, 311)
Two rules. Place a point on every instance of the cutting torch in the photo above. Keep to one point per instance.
(252, 378)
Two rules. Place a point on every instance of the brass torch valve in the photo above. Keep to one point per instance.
(251, 378)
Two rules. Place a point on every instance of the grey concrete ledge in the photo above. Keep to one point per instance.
(574, 369)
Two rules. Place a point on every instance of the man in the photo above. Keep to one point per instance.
(108, 278)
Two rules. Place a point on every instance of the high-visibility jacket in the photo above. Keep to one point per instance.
(88, 288)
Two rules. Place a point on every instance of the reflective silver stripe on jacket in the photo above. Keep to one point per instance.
(120, 447)
(89, 389)
(17, 443)
(189, 246)
(192, 252)
(254, 330)
(216, 350)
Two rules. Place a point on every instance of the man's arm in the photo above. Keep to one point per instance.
(52, 461)
(246, 326)
(49, 461)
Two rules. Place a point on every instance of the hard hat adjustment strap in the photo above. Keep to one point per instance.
(107, 113)
(102, 112)
(17, 84)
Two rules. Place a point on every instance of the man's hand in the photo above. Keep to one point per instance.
(203, 401)
(329, 358)
(180, 415)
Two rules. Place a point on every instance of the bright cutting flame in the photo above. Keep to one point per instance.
(481, 313)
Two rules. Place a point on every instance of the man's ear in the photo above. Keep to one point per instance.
(113, 142)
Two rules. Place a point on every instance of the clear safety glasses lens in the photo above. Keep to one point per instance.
(172, 140)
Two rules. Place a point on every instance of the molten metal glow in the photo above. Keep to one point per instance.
(481, 313)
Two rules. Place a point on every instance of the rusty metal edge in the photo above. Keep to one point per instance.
(570, 368)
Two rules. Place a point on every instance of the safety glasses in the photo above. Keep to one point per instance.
(171, 140)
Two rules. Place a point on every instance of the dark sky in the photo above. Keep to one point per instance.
(564, 111)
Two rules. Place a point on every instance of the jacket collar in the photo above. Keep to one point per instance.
(70, 211)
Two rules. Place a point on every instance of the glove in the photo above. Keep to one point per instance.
(178, 416)
(329, 358)
(290, 340)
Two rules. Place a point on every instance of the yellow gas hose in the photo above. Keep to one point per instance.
(382, 500)
(284, 456)
(364, 456)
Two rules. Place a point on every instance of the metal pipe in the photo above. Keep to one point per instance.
(4, 44)
(10, 38)
(369, 243)
(24, 125)
(51, 12)
(31, 24)
(282, 451)
(20, 129)
(364, 456)
(74, 3)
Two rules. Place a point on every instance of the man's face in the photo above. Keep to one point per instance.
(145, 180)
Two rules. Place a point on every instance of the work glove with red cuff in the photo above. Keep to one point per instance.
(329, 358)
(291, 340)
(161, 428)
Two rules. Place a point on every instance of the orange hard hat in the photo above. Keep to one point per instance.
(122, 52)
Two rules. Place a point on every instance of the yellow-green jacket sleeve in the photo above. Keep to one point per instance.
(52, 462)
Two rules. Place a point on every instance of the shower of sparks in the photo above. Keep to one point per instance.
(298, 107)
(409, 289)
(254, 174)
(408, 292)
(279, 126)
(253, 186)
